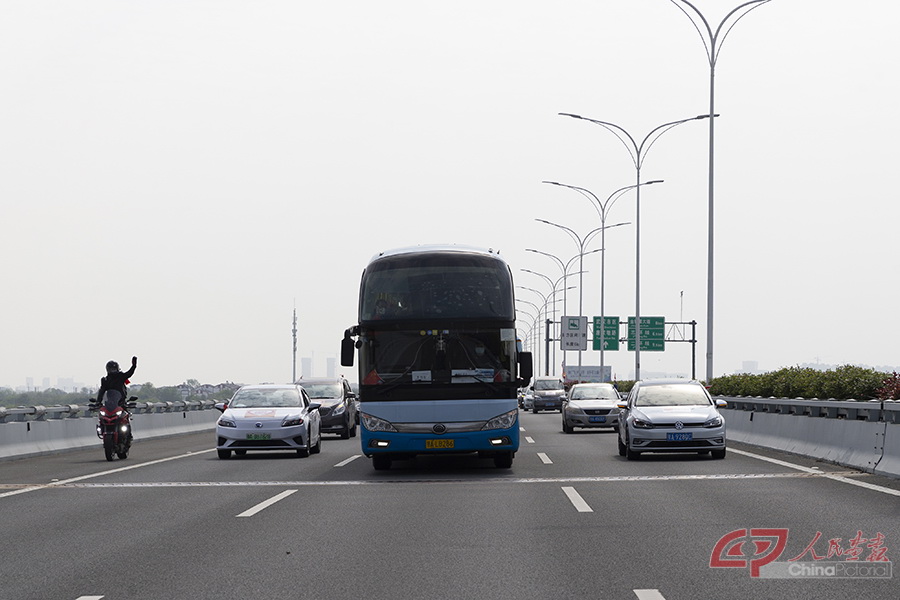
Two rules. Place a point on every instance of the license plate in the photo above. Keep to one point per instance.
(438, 444)
(597, 419)
(259, 436)
(679, 437)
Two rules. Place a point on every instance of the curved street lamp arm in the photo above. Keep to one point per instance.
(711, 39)
(616, 130)
(571, 233)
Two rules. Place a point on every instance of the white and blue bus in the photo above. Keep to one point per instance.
(439, 362)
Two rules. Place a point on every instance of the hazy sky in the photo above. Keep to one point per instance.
(177, 174)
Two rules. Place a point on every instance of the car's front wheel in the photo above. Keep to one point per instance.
(224, 454)
(622, 447)
(566, 427)
(718, 454)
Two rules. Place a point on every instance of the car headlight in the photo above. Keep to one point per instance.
(504, 421)
(375, 424)
(339, 409)
(292, 420)
(642, 424)
(223, 422)
(713, 422)
(575, 410)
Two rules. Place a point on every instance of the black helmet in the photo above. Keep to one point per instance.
(112, 366)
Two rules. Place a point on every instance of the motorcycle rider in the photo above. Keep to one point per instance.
(113, 385)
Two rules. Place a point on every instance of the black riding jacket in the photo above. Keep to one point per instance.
(115, 381)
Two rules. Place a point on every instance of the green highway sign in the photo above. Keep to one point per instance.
(607, 337)
(653, 334)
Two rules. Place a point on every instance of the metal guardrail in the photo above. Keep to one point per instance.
(81, 411)
(873, 411)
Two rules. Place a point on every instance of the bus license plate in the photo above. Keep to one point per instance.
(679, 437)
(259, 436)
(438, 444)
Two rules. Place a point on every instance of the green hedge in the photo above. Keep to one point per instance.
(842, 383)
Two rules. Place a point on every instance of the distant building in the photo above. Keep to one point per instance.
(330, 367)
(306, 367)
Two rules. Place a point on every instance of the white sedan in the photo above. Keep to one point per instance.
(671, 416)
(590, 405)
(269, 417)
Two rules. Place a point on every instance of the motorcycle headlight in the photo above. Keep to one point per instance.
(504, 421)
(642, 424)
(375, 424)
(292, 420)
(713, 422)
(227, 422)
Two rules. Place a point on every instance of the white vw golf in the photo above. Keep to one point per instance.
(676, 415)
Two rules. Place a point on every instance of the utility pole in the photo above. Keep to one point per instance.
(295, 343)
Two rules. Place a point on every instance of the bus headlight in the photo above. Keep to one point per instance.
(504, 421)
(375, 424)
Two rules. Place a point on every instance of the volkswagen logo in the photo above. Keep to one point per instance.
(259, 426)
(439, 428)
(679, 425)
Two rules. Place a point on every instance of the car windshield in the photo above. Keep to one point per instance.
(672, 395)
(544, 384)
(594, 393)
(323, 390)
(256, 398)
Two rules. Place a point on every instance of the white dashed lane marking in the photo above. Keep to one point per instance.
(264, 505)
(576, 500)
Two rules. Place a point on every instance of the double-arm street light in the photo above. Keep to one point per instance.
(712, 42)
(546, 301)
(554, 286)
(564, 269)
(603, 208)
(581, 243)
(638, 152)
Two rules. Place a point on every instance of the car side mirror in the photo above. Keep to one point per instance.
(622, 405)
(721, 404)
(221, 406)
(314, 405)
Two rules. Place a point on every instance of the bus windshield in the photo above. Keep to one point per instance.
(436, 286)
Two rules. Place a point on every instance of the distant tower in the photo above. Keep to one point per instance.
(294, 378)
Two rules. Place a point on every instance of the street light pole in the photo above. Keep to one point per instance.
(602, 209)
(564, 268)
(638, 152)
(713, 45)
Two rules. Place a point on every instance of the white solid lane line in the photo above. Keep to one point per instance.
(89, 598)
(101, 474)
(263, 505)
(348, 461)
(576, 500)
(648, 595)
(544, 458)
(817, 471)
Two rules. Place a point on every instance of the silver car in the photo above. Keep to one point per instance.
(590, 405)
(268, 417)
(670, 416)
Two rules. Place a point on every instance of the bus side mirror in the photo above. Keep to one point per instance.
(347, 349)
(526, 368)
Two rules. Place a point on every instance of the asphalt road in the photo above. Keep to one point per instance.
(571, 519)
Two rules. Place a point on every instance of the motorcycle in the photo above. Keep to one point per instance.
(114, 427)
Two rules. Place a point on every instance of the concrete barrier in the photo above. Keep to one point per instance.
(869, 440)
(33, 433)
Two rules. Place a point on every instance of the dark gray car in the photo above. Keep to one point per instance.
(338, 408)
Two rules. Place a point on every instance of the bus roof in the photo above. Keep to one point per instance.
(437, 248)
